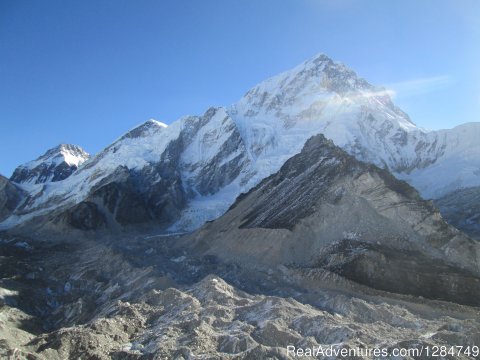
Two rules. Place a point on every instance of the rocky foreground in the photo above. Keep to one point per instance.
(143, 298)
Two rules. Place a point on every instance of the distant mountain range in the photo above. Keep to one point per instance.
(190, 172)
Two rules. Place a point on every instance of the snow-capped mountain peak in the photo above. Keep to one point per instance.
(322, 96)
(313, 81)
(56, 164)
(71, 154)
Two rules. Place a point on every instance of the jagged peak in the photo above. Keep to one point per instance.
(323, 63)
(320, 61)
(321, 57)
(71, 154)
(316, 76)
(215, 111)
(321, 66)
(55, 164)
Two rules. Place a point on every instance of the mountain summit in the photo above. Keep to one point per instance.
(56, 164)
(307, 81)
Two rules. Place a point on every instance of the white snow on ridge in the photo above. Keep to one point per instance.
(458, 167)
(72, 159)
(276, 118)
(159, 123)
(209, 139)
(133, 152)
(71, 154)
(56, 164)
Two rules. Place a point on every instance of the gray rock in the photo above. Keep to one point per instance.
(461, 208)
(10, 197)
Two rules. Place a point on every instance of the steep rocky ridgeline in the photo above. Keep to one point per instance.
(175, 171)
(10, 197)
(326, 209)
(461, 208)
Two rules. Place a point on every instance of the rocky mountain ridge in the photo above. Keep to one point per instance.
(462, 209)
(190, 172)
(326, 209)
(10, 197)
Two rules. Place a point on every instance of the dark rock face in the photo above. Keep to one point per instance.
(51, 166)
(10, 197)
(121, 202)
(43, 173)
(461, 209)
(165, 197)
(285, 206)
(85, 216)
(402, 271)
(113, 199)
(128, 198)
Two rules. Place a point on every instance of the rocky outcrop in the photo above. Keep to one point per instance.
(10, 197)
(85, 216)
(461, 208)
(118, 200)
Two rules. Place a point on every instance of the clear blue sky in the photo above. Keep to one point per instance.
(84, 72)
